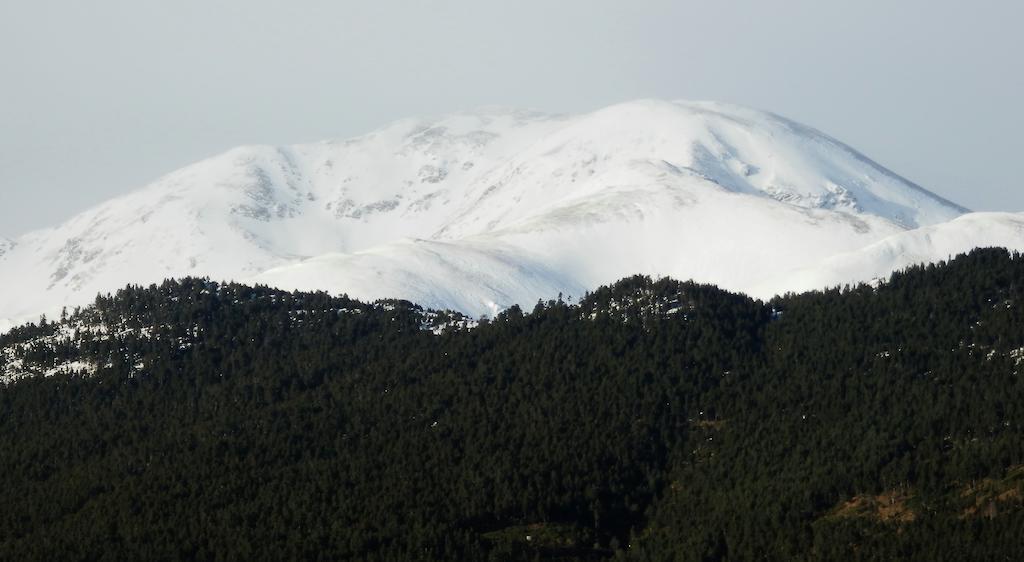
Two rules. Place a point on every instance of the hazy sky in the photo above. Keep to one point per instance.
(98, 98)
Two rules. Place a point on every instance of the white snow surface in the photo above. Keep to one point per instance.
(922, 245)
(477, 211)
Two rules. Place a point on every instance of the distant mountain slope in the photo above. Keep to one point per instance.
(922, 245)
(513, 206)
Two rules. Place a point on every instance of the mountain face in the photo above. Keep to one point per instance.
(477, 211)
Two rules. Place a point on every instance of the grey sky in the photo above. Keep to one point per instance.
(98, 98)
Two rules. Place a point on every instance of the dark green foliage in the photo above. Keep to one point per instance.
(653, 420)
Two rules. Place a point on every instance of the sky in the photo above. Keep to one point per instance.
(99, 98)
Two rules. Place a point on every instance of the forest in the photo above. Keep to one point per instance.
(649, 420)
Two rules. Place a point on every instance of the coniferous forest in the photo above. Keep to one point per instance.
(649, 420)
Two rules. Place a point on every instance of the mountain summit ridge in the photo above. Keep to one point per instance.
(480, 210)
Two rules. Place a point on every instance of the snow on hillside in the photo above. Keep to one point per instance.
(682, 233)
(466, 276)
(477, 211)
(923, 245)
(717, 146)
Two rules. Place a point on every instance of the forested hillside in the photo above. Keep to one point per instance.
(649, 420)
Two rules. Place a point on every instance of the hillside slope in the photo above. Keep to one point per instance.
(650, 420)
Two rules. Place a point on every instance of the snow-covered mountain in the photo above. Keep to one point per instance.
(477, 211)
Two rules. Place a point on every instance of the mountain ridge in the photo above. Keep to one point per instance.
(513, 206)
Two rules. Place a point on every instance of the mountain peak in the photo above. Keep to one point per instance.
(479, 210)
